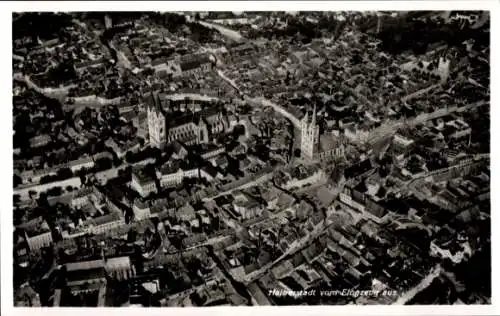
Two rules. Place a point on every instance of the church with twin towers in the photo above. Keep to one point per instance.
(316, 147)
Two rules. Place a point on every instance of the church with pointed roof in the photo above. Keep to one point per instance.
(314, 146)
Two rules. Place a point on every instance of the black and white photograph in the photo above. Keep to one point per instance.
(250, 158)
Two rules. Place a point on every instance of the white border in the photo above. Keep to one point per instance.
(6, 190)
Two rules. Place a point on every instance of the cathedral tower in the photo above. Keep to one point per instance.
(156, 122)
(309, 136)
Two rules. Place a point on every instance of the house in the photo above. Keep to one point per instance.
(211, 151)
(247, 207)
(119, 268)
(38, 234)
(186, 213)
(84, 278)
(179, 151)
(143, 183)
(173, 173)
(105, 223)
(125, 107)
(141, 210)
(221, 162)
(25, 296)
(39, 141)
(209, 172)
(446, 246)
(358, 169)
(86, 162)
(195, 64)
(82, 66)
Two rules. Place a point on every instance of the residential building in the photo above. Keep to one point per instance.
(143, 183)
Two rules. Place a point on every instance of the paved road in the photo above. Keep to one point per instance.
(390, 128)
(410, 294)
(231, 34)
(249, 184)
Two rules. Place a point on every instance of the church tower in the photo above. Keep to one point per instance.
(108, 22)
(309, 136)
(156, 122)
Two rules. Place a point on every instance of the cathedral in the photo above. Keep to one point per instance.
(309, 136)
(156, 123)
(314, 146)
(188, 128)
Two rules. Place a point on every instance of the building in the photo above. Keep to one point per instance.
(314, 146)
(172, 174)
(447, 247)
(38, 234)
(81, 197)
(309, 136)
(143, 183)
(85, 279)
(196, 64)
(105, 223)
(86, 162)
(156, 122)
(108, 22)
(26, 297)
(141, 210)
(119, 268)
(189, 128)
(247, 207)
(39, 141)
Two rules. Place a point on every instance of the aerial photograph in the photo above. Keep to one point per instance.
(220, 158)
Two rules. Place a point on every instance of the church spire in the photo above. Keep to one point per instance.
(313, 121)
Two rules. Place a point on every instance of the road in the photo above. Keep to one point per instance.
(290, 251)
(251, 183)
(24, 192)
(390, 128)
(410, 294)
(261, 101)
(231, 34)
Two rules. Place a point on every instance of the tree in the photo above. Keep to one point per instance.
(32, 193)
(55, 191)
(64, 173)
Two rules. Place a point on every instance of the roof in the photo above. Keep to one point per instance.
(193, 62)
(325, 196)
(210, 170)
(190, 117)
(84, 265)
(141, 176)
(170, 167)
(35, 227)
(158, 62)
(117, 263)
(358, 169)
(129, 116)
(328, 142)
(285, 200)
(101, 220)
